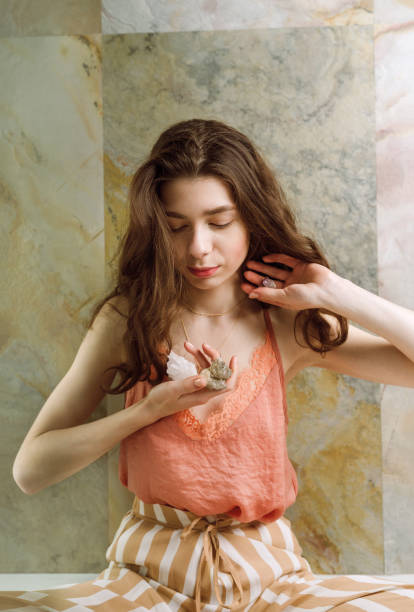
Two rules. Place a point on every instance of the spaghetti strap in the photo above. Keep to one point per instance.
(276, 351)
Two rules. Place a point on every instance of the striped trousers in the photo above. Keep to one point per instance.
(163, 558)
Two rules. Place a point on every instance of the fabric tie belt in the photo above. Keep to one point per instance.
(211, 555)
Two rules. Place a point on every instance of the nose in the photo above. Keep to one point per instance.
(200, 243)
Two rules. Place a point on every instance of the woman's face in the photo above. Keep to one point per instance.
(207, 230)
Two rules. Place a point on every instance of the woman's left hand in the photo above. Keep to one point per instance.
(306, 285)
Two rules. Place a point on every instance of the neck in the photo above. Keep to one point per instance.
(214, 301)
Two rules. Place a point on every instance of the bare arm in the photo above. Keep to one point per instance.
(56, 455)
(60, 442)
(386, 357)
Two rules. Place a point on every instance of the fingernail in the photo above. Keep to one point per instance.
(198, 382)
(252, 295)
(189, 344)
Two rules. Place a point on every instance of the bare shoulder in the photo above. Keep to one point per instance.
(118, 306)
(294, 351)
(112, 320)
(115, 310)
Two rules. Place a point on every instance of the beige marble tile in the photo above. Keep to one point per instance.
(50, 17)
(51, 191)
(394, 11)
(398, 477)
(128, 16)
(334, 443)
(394, 50)
(306, 97)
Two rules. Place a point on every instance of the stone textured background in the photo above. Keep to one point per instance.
(325, 90)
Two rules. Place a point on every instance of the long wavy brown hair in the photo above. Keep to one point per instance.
(146, 274)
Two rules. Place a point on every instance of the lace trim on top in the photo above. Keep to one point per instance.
(249, 383)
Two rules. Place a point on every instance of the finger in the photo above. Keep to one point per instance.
(195, 394)
(281, 258)
(268, 295)
(258, 279)
(233, 365)
(197, 354)
(188, 385)
(268, 270)
(252, 277)
(248, 288)
(211, 352)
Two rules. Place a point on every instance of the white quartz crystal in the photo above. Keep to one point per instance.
(179, 367)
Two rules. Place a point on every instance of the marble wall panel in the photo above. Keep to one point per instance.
(251, 78)
(209, 74)
(334, 443)
(394, 68)
(394, 49)
(50, 17)
(393, 11)
(128, 16)
(51, 195)
(398, 480)
(306, 97)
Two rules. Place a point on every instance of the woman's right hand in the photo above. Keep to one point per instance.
(173, 396)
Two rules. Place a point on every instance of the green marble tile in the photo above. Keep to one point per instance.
(180, 15)
(306, 97)
(52, 248)
(50, 17)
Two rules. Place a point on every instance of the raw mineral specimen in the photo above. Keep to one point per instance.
(216, 375)
(218, 369)
(179, 367)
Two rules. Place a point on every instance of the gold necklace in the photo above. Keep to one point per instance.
(199, 368)
(218, 314)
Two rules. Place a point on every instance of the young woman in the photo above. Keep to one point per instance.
(212, 266)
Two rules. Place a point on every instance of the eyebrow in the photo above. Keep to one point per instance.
(212, 211)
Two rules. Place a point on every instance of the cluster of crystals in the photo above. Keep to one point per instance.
(216, 375)
(179, 367)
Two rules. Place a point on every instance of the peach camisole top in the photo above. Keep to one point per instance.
(235, 462)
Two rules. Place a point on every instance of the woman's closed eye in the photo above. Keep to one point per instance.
(217, 225)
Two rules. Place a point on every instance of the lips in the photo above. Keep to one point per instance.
(201, 272)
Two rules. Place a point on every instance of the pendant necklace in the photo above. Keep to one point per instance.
(199, 368)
